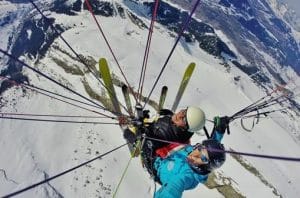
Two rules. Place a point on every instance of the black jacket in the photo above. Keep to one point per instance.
(165, 129)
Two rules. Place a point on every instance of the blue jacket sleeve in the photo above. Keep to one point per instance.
(217, 136)
(173, 189)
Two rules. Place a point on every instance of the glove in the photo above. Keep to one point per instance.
(129, 136)
(221, 124)
(146, 114)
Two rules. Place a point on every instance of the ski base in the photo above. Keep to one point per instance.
(184, 82)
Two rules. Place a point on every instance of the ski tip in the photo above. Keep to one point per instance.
(192, 64)
(124, 87)
(102, 60)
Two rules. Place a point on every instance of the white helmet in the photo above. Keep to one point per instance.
(195, 118)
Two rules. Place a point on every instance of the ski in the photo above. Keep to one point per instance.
(162, 97)
(107, 79)
(136, 149)
(186, 78)
(125, 92)
(106, 76)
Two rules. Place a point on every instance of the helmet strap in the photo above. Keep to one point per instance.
(186, 120)
(206, 132)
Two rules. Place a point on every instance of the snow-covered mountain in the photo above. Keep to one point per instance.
(253, 27)
(242, 49)
(257, 41)
(288, 10)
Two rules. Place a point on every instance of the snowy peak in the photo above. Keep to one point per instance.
(256, 31)
(173, 18)
(287, 13)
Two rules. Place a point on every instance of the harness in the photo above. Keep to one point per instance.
(163, 128)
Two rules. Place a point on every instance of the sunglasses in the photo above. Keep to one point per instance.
(186, 125)
(203, 157)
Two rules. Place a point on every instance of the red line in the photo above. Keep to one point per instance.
(107, 43)
(146, 55)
